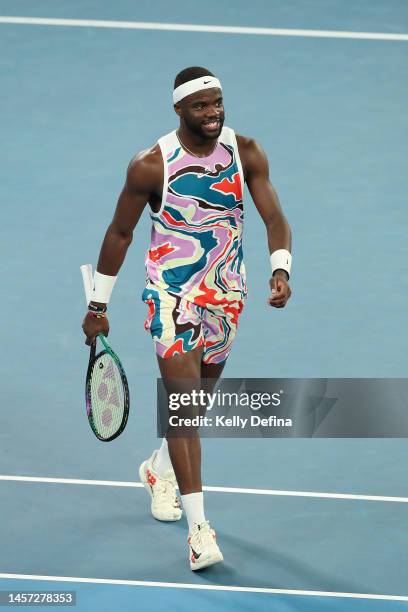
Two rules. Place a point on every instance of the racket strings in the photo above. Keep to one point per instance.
(107, 396)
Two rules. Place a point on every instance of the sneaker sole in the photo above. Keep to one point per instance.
(207, 562)
(148, 489)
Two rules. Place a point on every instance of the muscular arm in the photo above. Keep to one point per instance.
(265, 198)
(141, 181)
(256, 171)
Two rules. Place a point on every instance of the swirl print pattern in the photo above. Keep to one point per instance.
(178, 326)
(195, 259)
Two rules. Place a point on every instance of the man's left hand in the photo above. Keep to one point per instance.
(280, 289)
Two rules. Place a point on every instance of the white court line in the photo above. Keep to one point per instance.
(189, 27)
(118, 483)
(207, 587)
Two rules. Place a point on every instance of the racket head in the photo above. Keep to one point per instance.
(106, 393)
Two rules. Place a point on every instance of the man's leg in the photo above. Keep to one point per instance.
(176, 327)
(185, 452)
(183, 373)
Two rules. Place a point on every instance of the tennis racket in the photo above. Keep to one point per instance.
(106, 386)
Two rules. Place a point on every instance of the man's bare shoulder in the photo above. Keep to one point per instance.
(145, 170)
(247, 144)
(244, 141)
(251, 153)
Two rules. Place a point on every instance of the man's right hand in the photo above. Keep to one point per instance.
(93, 326)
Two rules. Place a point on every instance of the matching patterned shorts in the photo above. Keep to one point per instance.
(178, 326)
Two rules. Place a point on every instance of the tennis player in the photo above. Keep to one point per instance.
(193, 180)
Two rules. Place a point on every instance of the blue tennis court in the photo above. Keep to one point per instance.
(304, 524)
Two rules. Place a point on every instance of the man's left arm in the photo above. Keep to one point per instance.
(256, 171)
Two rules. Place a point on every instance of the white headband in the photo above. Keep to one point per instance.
(204, 82)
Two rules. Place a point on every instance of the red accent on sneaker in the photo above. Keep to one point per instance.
(150, 478)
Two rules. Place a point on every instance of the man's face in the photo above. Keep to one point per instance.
(203, 112)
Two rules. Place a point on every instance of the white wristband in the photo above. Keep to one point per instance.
(103, 287)
(281, 260)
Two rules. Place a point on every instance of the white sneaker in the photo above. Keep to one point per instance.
(165, 504)
(203, 547)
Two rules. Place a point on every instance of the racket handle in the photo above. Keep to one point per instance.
(87, 278)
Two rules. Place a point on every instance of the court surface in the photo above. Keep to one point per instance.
(310, 525)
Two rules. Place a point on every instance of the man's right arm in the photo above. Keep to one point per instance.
(144, 178)
(141, 181)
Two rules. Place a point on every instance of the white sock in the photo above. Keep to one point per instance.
(193, 505)
(162, 462)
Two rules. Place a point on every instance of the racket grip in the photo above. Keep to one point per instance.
(87, 279)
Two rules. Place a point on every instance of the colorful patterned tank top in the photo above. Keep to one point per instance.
(196, 240)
